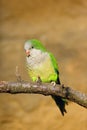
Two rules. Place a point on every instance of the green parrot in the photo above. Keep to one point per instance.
(42, 64)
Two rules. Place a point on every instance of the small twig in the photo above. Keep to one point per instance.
(18, 76)
(45, 89)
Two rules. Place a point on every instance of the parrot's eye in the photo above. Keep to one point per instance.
(32, 47)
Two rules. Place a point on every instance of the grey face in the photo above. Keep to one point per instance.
(34, 57)
(27, 46)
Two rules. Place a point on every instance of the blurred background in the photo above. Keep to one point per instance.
(61, 25)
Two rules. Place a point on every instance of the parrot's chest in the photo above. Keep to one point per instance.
(40, 65)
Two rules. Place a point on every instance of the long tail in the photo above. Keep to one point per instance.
(60, 102)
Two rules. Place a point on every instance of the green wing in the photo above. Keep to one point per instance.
(54, 62)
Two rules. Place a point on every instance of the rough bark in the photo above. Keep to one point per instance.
(45, 89)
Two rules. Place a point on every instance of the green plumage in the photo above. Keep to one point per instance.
(37, 44)
(41, 63)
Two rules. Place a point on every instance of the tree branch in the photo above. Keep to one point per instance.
(45, 89)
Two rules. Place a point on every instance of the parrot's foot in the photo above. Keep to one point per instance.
(39, 80)
(18, 76)
(53, 83)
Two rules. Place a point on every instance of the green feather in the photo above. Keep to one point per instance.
(54, 62)
(37, 44)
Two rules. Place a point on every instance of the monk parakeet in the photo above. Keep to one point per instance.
(41, 63)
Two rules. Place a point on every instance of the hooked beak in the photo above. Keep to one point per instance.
(27, 53)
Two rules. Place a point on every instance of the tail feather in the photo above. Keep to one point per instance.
(60, 103)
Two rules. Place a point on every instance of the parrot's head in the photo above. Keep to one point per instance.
(33, 46)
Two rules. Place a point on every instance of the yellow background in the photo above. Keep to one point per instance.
(62, 27)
